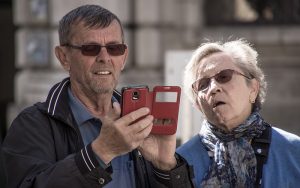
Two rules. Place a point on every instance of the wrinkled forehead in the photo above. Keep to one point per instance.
(82, 29)
(214, 63)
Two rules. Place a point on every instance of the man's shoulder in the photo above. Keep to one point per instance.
(32, 112)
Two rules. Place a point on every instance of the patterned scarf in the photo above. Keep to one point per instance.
(234, 161)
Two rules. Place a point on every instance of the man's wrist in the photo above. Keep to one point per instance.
(165, 166)
(179, 175)
(174, 163)
(100, 152)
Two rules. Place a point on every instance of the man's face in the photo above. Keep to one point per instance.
(98, 74)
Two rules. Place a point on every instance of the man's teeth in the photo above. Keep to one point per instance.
(103, 72)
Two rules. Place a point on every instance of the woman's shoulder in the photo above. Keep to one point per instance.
(283, 159)
(283, 141)
(193, 146)
(284, 136)
(191, 143)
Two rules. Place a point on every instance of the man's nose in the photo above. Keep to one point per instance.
(103, 55)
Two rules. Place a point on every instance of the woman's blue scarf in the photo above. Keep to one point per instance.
(234, 161)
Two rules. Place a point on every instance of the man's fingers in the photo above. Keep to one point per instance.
(142, 124)
(135, 115)
(141, 135)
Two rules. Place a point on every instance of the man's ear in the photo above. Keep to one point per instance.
(61, 55)
(125, 58)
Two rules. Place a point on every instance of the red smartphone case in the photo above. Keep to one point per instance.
(165, 111)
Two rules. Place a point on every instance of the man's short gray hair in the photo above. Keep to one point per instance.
(93, 16)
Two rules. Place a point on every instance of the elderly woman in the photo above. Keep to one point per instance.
(235, 147)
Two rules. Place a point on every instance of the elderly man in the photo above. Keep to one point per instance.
(76, 138)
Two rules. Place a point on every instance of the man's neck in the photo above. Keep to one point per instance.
(98, 105)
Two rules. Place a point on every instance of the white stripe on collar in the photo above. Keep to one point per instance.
(61, 86)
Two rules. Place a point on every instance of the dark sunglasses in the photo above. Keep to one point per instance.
(94, 49)
(221, 77)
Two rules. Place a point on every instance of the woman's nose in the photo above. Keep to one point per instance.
(214, 86)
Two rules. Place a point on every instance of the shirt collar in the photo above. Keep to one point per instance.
(81, 114)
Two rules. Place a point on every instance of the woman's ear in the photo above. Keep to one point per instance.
(254, 89)
(61, 55)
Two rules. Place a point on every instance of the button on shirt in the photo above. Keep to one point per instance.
(90, 127)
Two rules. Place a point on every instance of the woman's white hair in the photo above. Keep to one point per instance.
(245, 58)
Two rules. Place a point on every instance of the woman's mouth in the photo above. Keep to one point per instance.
(218, 103)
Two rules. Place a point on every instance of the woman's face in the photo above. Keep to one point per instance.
(225, 105)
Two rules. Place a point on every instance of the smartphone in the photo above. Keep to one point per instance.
(163, 103)
(133, 98)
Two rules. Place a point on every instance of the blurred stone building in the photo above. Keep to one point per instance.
(161, 35)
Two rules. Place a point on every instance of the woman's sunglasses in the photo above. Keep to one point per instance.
(94, 49)
(221, 77)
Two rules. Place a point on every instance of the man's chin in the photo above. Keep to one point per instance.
(102, 90)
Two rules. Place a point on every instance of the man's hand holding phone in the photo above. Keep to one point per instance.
(163, 103)
(123, 134)
(159, 147)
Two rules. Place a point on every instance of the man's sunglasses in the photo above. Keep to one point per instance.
(94, 49)
(221, 77)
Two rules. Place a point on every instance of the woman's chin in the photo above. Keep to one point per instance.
(225, 123)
